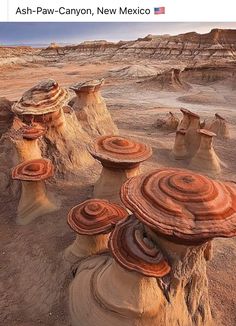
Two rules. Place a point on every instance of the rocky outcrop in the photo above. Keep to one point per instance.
(6, 115)
(217, 44)
(64, 140)
(209, 73)
(91, 110)
(170, 81)
(16, 54)
(133, 71)
(15, 51)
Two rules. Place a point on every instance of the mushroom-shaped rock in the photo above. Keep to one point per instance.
(179, 151)
(92, 220)
(182, 211)
(91, 110)
(220, 127)
(26, 142)
(43, 103)
(125, 290)
(6, 115)
(34, 201)
(182, 206)
(64, 141)
(134, 251)
(192, 137)
(206, 160)
(120, 158)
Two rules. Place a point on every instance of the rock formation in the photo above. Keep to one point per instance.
(169, 81)
(6, 116)
(184, 123)
(179, 151)
(170, 123)
(123, 290)
(26, 141)
(183, 211)
(133, 71)
(91, 110)
(120, 158)
(220, 127)
(34, 201)
(218, 44)
(192, 137)
(203, 74)
(64, 141)
(92, 220)
(205, 159)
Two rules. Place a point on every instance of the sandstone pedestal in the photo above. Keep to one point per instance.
(92, 221)
(34, 200)
(91, 110)
(205, 159)
(120, 158)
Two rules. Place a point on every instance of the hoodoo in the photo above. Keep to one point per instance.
(220, 127)
(182, 211)
(192, 137)
(91, 110)
(171, 122)
(120, 158)
(64, 141)
(43, 103)
(34, 200)
(179, 151)
(92, 220)
(184, 123)
(205, 159)
(124, 290)
(27, 142)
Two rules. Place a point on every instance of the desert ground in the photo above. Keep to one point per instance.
(33, 276)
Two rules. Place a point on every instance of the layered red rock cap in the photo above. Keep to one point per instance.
(134, 251)
(119, 152)
(89, 86)
(33, 131)
(45, 97)
(95, 216)
(185, 207)
(33, 170)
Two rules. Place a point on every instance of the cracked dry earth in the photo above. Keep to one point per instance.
(33, 277)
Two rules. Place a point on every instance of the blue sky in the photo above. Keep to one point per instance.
(44, 33)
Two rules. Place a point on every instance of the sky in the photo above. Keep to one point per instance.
(45, 33)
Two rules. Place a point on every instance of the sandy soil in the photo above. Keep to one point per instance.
(33, 277)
